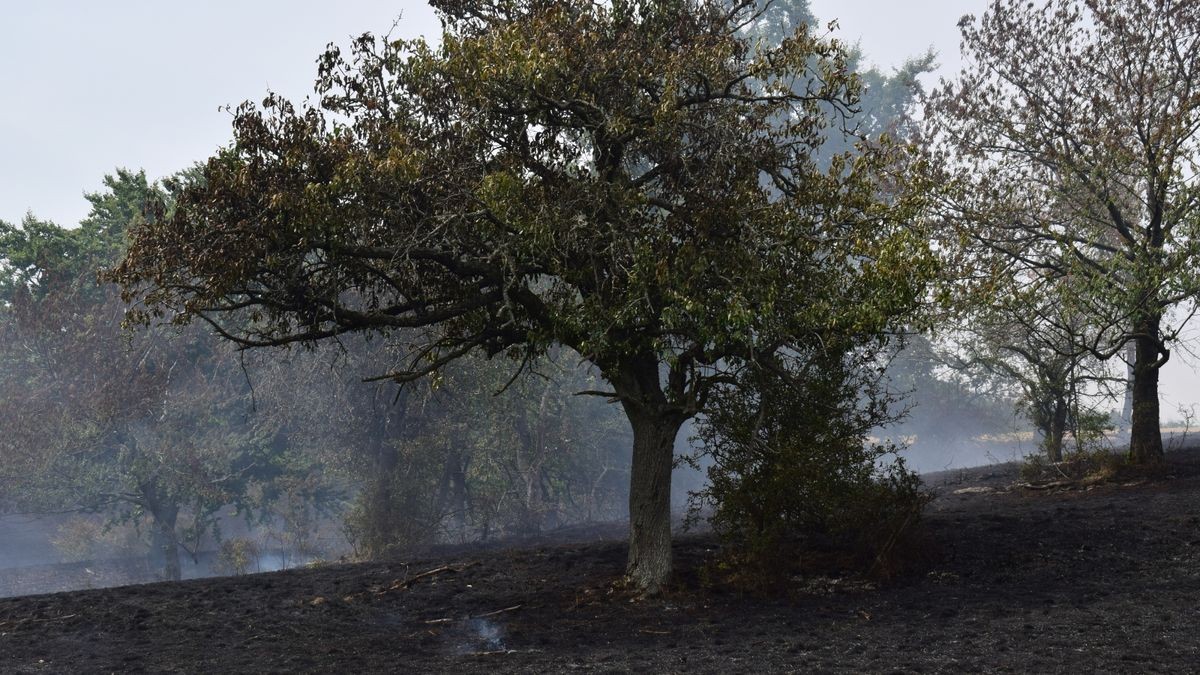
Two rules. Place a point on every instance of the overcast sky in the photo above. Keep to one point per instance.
(91, 86)
(139, 83)
(890, 32)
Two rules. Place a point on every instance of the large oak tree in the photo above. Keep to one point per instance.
(636, 180)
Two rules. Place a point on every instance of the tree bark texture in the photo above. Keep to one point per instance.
(649, 565)
(1145, 435)
(1127, 405)
(655, 421)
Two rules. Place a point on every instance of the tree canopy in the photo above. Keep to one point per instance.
(636, 180)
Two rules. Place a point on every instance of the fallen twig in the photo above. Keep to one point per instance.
(1046, 486)
(403, 584)
(498, 611)
(476, 616)
(22, 622)
(398, 584)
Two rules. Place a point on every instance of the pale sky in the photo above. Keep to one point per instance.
(138, 83)
(92, 86)
(890, 31)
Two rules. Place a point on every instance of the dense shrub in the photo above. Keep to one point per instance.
(396, 512)
(236, 557)
(792, 473)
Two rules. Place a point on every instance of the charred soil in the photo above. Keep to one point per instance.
(1071, 577)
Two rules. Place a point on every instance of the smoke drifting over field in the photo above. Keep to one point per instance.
(45, 554)
(301, 461)
(164, 452)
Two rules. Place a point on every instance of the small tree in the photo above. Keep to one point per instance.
(1031, 341)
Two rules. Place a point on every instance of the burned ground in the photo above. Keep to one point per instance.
(1009, 579)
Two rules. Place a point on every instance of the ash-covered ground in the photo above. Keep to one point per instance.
(1008, 579)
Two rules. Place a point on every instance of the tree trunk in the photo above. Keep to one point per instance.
(1058, 428)
(1127, 407)
(452, 493)
(649, 564)
(381, 499)
(1145, 435)
(165, 541)
(458, 497)
(655, 421)
(378, 534)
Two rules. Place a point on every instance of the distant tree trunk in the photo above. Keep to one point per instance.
(1145, 435)
(452, 492)
(1127, 408)
(458, 497)
(164, 541)
(526, 461)
(381, 507)
(655, 425)
(379, 534)
(1058, 428)
(170, 547)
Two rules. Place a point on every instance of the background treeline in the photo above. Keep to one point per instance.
(171, 430)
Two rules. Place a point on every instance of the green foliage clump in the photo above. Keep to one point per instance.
(1088, 459)
(794, 477)
(236, 557)
(396, 513)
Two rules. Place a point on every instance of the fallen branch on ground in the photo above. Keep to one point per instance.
(498, 611)
(1047, 486)
(476, 616)
(21, 622)
(399, 584)
(404, 584)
